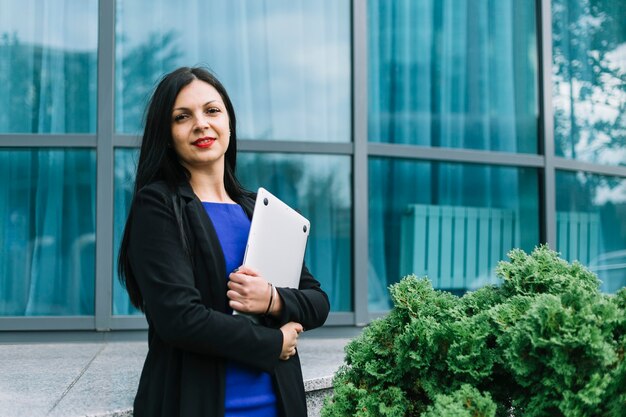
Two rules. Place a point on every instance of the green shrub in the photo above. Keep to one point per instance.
(544, 343)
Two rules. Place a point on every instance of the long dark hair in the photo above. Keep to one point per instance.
(159, 162)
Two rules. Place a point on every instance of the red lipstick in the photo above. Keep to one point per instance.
(205, 142)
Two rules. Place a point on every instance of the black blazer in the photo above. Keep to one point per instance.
(190, 334)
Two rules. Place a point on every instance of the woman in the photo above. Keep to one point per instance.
(185, 233)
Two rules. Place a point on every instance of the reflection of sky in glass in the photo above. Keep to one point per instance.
(71, 25)
(589, 69)
(286, 64)
(48, 74)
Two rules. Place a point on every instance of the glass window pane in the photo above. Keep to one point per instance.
(318, 186)
(47, 236)
(458, 74)
(451, 222)
(48, 75)
(124, 182)
(589, 74)
(591, 224)
(285, 63)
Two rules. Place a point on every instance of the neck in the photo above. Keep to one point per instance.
(209, 187)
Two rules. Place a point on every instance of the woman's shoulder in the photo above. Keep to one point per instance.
(156, 190)
(158, 186)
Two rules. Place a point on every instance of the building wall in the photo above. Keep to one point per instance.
(425, 137)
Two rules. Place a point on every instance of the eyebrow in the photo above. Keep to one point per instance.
(186, 109)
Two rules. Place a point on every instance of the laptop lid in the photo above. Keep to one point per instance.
(277, 241)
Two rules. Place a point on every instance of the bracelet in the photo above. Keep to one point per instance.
(269, 305)
(273, 301)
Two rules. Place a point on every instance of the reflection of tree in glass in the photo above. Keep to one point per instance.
(296, 180)
(278, 174)
(318, 187)
(46, 90)
(589, 48)
(138, 71)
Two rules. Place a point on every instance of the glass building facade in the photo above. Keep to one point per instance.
(426, 137)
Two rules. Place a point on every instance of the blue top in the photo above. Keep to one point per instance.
(249, 392)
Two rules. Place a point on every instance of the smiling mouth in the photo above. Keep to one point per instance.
(205, 142)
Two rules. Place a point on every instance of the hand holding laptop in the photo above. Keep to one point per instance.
(249, 292)
(274, 252)
(277, 241)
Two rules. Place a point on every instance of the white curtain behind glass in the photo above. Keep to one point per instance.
(125, 169)
(458, 74)
(319, 187)
(286, 64)
(47, 238)
(48, 66)
(450, 74)
(47, 197)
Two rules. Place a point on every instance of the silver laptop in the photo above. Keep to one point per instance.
(277, 241)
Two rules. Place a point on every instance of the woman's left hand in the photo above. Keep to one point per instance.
(248, 292)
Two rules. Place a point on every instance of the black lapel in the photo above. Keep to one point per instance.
(208, 260)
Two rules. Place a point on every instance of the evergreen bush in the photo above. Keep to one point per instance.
(545, 342)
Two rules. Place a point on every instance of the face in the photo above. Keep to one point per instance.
(200, 127)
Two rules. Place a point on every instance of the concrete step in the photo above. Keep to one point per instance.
(100, 379)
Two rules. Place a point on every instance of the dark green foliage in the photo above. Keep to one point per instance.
(465, 402)
(544, 343)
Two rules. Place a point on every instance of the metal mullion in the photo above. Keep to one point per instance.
(455, 155)
(104, 192)
(126, 141)
(546, 121)
(71, 336)
(22, 140)
(360, 205)
(244, 145)
(574, 165)
(47, 323)
(129, 323)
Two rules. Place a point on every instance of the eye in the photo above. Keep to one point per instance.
(212, 110)
(180, 117)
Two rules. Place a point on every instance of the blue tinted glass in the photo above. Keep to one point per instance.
(47, 235)
(48, 66)
(591, 224)
(124, 182)
(458, 74)
(285, 64)
(451, 222)
(318, 186)
(589, 74)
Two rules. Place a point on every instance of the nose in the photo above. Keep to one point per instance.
(202, 121)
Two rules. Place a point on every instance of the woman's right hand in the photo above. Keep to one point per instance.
(290, 331)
